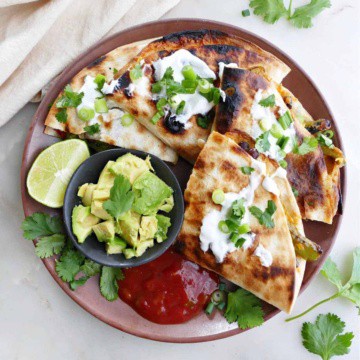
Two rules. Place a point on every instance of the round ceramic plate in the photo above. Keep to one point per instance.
(117, 313)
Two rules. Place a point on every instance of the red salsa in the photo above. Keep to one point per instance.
(168, 290)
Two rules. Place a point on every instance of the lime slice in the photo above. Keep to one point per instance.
(51, 171)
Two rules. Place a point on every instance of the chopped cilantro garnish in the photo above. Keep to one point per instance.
(268, 102)
(115, 71)
(69, 98)
(136, 72)
(262, 143)
(180, 108)
(247, 170)
(203, 121)
(324, 140)
(121, 197)
(245, 13)
(61, 116)
(99, 81)
(308, 145)
(264, 217)
(92, 129)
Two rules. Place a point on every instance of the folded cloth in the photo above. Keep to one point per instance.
(39, 38)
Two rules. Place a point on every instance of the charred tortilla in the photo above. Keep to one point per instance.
(218, 166)
(111, 131)
(210, 46)
(314, 176)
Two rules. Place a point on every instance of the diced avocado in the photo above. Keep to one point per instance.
(102, 194)
(129, 253)
(130, 166)
(106, 179)
(168, 204)
(129, 227)
(98, 210)
(86, 192)
(105, 231)
(82, 222)
(116, 246)
(148, 228)
(163, 226)
(141, 248)
(150, 193)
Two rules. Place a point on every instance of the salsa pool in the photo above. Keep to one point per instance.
(168, 290)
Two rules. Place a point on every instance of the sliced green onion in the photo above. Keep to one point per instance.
(188, 72)
(156, 118)
(245, 13)
(268, 102)
(283, 164)
(276, 131)
(218, 196)
(244, 229)
(86, 113)
(204, 86)
(156, 87)
(189, 85)
(282, 142)
(180, 108)
(161, 103)
(127, 119)
(101, 106)
(285, 120)
(328, 133)
(218, 296)
(210, 308)
(281, 153)
(221, 305)
(264, 124)
(216, 95)
(223, 227)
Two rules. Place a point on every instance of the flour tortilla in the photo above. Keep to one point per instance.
(318, 189)
(212, 47)
(112, 132)
(218, 166)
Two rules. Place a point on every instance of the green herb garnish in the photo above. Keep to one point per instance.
(262, 143)
(245, 13)
(247, 170)
(285, 120)
(325, 337)
(136, 72)
(99, 81)
(108, 282)
(203, 121)
(92, 129)
(308, 145)
(180, 108)
(264, 217)
(70, 98)
(268, 102)
(61, 116)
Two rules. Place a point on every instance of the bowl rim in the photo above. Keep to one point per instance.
(178, 207)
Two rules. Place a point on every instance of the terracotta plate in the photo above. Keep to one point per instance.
(117, 313)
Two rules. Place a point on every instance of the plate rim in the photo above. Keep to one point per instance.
(187, 25)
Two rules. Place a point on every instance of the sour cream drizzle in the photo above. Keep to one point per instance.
(210, 235)
(269, 183)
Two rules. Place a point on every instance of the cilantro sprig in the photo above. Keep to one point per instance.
(71, 266)
(325, 337)
(301, 17)
(264, 217)
(349, 290)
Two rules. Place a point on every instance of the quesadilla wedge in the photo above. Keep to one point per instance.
(171, 86)
(107, 122)
(255, 115)
(245, 236)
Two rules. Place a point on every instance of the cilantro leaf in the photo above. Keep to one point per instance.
(121, 197)
(238, 208)
(135, 72)
(40, 224)
(325, 338)
(332, 273)
(99, 81)
(108, 282)
(270, 10)
(90, 268)
(244, 308)
(262, 143)
(69, 264)
(92, 129)
(264, 217)
(70, 98)
(308, 145)
(268, 102)
(355, 274)
(203, 121)
(78, 282)
(303, 15)
(247, 170)
(61, 116)
(50, 245)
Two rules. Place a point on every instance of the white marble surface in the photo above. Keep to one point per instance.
(39, 321)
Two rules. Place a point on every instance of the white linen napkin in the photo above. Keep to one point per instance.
(39, 38)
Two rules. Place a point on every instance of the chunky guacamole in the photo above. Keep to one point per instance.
(126, 209)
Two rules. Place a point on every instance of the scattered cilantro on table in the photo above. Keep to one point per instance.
(272, 10)
(350, 290)
(71, 266)
(325, 337)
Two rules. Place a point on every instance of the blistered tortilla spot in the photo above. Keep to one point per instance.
(96, 62)
(227, 166)
(200, 164)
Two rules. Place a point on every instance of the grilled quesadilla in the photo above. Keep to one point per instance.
(255, 115)
(238, 223)
(92, 116)
(171, 86)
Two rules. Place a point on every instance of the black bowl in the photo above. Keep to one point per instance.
(89, 172)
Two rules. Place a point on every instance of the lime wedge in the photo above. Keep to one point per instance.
(51, 171)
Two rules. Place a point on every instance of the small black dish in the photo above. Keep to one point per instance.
(89, 172)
